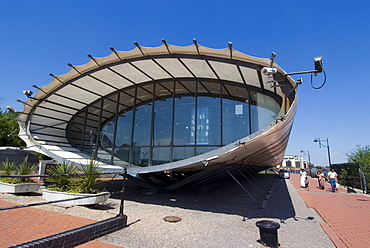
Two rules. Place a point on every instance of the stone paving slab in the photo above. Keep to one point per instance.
(346, 216)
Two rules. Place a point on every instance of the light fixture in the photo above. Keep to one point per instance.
(28, 93)
(307, 153)
(318, 64)
(11, 109)
(273, 55)
(327, 146)
(318, 67)
(230, 44)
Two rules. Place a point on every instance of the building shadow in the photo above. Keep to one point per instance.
(224, 196)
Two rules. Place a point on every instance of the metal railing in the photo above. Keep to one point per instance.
(360, 183)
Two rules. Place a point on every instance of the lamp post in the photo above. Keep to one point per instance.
(308, 153)
(327, 146)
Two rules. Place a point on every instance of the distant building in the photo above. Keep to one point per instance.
(291, 161)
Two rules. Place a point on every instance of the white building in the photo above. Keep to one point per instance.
(291, 161)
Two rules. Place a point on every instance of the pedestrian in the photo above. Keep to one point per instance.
(303, 174)
(307, 184)
(333, 179)
(321, 179)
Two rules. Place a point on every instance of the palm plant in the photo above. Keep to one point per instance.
(62, 183)
(87, 183)
(25, 168)
(7, 168)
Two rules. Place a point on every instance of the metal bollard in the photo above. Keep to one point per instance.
(268, 233)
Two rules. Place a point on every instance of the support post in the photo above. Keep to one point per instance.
(121, 207)
(250, 183)
(236, 180)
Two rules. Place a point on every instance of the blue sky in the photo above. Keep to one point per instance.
(41, 37)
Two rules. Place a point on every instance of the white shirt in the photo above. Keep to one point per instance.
(332, 175)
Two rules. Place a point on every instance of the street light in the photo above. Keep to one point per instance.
(308, 153)
(327, 146)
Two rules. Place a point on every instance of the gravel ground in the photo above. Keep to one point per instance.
(214, 215)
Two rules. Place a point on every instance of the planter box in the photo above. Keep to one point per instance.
(19, 188)
(50, 195)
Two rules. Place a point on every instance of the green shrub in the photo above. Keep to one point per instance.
(62, 183)
(10, 168)
(7, 168)
(87, 183)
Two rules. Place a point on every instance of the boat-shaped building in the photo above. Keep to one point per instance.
(171, 115)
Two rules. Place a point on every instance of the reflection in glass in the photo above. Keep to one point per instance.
(162, 123)
(235, 120)
(208, 121)
(123, 136)
(161, 155)
(171, 126)
(142, 125)
(180, 153)
(184, 127)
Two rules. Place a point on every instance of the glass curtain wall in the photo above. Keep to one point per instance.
(169, 121)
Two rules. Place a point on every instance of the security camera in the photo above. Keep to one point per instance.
(269, 70)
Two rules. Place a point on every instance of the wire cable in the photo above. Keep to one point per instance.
(322, 85)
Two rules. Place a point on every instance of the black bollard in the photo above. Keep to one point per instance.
(268, 233)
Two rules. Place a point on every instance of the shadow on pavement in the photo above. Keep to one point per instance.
(225, 196)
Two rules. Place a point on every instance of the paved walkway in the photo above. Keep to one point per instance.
(346, 216)
(26, 224)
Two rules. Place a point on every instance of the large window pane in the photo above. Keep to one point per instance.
(201, 150)
(140, 156)
(162, 123)
(208, 121)
(235, 120)
(264, 111)
(106, 143)
(184, 129)
(92, 123)
(161, 155)
(180, 153)
(142, 126)
(123, 136)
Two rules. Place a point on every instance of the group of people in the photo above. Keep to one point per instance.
(332, 177)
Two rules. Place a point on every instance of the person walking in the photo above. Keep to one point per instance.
(321, 179)
(303, 174)
(333, 179)
(307, 184)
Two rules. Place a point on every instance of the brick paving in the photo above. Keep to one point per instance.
(346, 216)
(26, 224)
